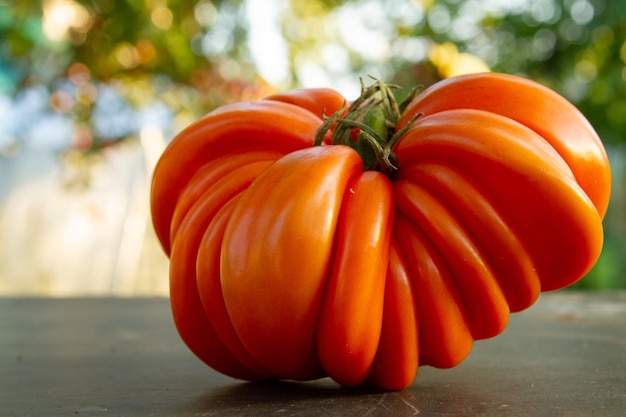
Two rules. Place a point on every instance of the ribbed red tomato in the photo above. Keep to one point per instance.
(380, 238)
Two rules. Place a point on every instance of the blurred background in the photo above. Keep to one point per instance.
(91, 91)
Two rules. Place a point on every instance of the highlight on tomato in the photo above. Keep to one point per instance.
(311, 238)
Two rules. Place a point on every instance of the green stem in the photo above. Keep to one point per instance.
(369, 126)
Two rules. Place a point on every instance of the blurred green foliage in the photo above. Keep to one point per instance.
(577, 47)
(169, 61)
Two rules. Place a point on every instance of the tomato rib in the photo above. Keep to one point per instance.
(208, 175)
(397, 358)
(189, 316)
(534, 105)
(506, 254)
(210, 288)
(525, 179)
(276, 254)
(480, 291)
(239, 127)
(352, 307)
(319, 101)
(444, 333)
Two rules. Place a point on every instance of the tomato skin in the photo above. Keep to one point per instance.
(319, 101)
(444, 335)
(192, 324)
(350, 321)
(260, 126)
(273, 290)
(207, 176)
(527, 181)
(485, 306)
(397, 357)
(486, 225)
(288, 261)
(210, 290)
(535, 106)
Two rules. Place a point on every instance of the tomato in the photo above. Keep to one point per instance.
(312, 237)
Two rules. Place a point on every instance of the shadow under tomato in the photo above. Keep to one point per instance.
(326, 398)
(289, 398)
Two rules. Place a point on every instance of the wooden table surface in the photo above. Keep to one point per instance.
(566, 356)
